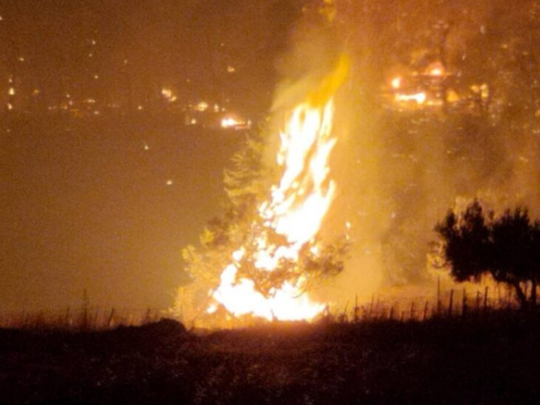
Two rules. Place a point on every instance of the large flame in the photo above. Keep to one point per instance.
(295, 210)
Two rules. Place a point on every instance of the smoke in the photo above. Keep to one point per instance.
(398, 173)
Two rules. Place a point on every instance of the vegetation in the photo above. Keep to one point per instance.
(488, 360)
(247, 184)
(475, 244)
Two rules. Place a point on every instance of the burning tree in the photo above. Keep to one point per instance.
(474, 244)
(264, 255)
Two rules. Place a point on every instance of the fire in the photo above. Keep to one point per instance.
(294, 211)
(396, 82)
(420, 97)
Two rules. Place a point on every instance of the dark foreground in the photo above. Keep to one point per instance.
(492, 360)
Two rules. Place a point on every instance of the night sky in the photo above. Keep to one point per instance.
(106, 204)
(105, 209)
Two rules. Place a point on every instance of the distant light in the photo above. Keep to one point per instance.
(169, 182)
(231, 69)
(94, 42)
(420, 98)
(10, 106)
(1, 18)
(90, 54)
(436, 69)
(202, 106)
(21, 59)
(228, 122)
(146, 146)
(96, 112)
(96, 77)
(140, 107)
(168, 94)
(12, 91)
(396, 82)
(193, 121)
(35, 92)
(125, 61)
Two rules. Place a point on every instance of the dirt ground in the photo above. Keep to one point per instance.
(488, 360)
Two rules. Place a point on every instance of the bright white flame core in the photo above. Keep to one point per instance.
(295, 210)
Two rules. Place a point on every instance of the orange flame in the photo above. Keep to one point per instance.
(295, 210)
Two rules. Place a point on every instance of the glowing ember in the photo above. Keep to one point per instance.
(294, 211)
(420, 98)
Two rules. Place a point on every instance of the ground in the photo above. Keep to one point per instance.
(490, 360)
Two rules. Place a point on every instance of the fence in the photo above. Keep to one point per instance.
(82, 319)
(451, 303)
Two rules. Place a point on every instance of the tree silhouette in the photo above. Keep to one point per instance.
(475, 243)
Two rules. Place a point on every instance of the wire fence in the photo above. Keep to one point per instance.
(449, 303)
(80, 319)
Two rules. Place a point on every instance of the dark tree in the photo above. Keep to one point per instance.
(516, 257)
(474, 244)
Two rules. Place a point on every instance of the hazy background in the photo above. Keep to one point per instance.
(105, 203)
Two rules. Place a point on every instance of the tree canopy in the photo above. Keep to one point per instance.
(247, 184)
(475, 243)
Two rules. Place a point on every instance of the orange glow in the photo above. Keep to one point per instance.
(229, 122)
(295, 210)
(436, 69)
(420, 98)
(168, 94)
(202, 106)
(396, 82)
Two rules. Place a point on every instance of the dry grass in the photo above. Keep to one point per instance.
(475, 360)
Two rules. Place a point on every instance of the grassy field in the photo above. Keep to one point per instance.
(480, 360)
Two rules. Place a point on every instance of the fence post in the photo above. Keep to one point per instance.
(486, 298)
(344, 317)
(371, 306)
(439, 295)
(464, 304)
(355, 314)
(147, 319)
(84, 311)
(110, 322)
(425, 310)
(451, 303)
(66, 319)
